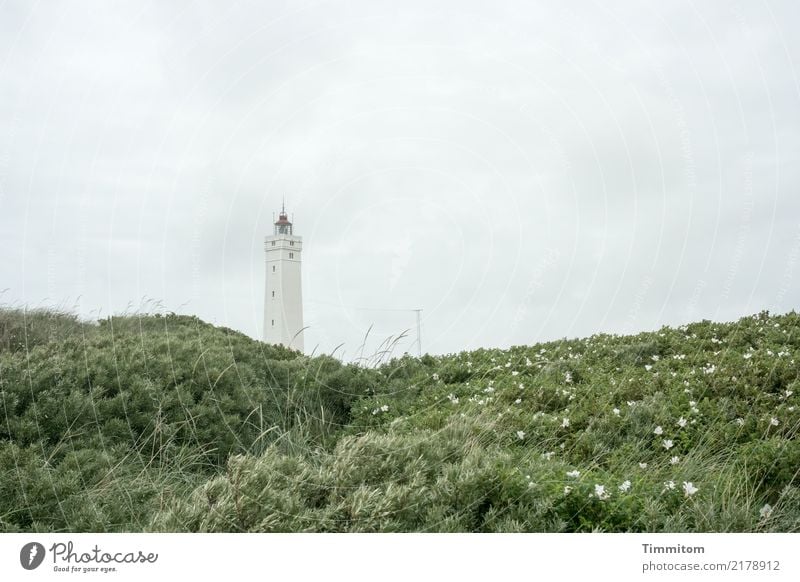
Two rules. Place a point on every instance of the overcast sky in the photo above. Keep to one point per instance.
(521, 171)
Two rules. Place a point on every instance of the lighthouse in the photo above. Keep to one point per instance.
(283, 301)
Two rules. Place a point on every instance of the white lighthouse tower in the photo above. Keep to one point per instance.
(283, 301)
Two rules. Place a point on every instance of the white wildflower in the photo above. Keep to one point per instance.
(740, 421)
(548, 455)
(615, 411)
(520, 434)
(765, 511)
(564, 423)
(435, 377)
(667, 444)
(658, 430)
(689, 489)
(567, 490)
(600, 492)
(669, 485)
(774, 421)
(674, 460)
(574, 474)
(518, 401)
(626, 485)
(682, 422)
(643, 465)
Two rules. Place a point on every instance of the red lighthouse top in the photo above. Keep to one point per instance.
(283, 226)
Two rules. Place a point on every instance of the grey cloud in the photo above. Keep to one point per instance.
(522, 171)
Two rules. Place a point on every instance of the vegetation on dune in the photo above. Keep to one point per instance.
(166, 423)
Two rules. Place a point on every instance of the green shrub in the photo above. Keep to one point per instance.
(167, 423)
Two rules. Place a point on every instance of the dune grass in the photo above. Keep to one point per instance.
(166, 423)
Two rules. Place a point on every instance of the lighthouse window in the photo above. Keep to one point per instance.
(291, 255)
(273, 243)
(291, 243)
(273, 323)
(273, 293)
(273, 268)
